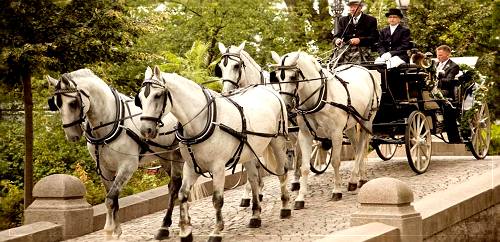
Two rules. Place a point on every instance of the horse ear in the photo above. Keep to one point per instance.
(241, 47)
(222, 48)
(276, 57)
(157, 71)
(294, 59)
(149, 73)
(51, 80)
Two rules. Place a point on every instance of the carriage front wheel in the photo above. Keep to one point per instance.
(418, 142)
(480, 128)
(318, 162)
(386, 151)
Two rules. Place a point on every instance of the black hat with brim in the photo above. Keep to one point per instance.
(394, 11)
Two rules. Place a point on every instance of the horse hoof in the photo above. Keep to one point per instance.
(361, 183)
(261, 196)
(215, 238)
(298, 205)
(336, 196)
(295, 186)
(162, 234)
(245, 202)
(254, 223)
(188, 238)
(352, 186)
(285, 213)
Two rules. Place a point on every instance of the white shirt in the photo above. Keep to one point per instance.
(440, 66)
(356, 19)
(393, 28)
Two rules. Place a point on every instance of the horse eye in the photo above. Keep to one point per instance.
(158, 95)
(73, 104)
(237, 66)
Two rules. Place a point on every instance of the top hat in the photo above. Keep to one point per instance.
(353, 2)
(394, 11)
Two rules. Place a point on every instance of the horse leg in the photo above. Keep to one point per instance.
(245, 199)
(365, 137)
(305, 144)
(218, 201)
(173, 190)
(277, 145)
(189, 177)
(335, 157)
(123, 175)
(296, 171)
(253, 182)
(351, 133)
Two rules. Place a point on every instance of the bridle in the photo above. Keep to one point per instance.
(241, 65)
(55, 102)
(281, 69)
(147, 84)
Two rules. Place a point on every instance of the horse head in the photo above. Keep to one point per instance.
(231, 68)
(72, 102)
(286, 74)
(155, 101)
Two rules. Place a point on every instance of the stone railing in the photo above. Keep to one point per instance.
(469, 211)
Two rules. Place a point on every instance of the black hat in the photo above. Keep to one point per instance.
(394, 11)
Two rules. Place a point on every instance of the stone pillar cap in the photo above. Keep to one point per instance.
(59, 186)
(385, 190)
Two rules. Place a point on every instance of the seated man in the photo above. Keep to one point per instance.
(359, 30)
(446, 71)
(394, 41)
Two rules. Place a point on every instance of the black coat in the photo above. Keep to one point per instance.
(397, 44)
(365, 30)
(446, 80)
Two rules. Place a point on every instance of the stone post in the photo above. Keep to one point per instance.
(388, 200)
(60, 199)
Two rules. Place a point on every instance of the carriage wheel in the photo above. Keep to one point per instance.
(386, 151)
(480, 133)
(418, 142)
(318, 162)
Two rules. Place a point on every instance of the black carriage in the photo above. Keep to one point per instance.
(410, 114)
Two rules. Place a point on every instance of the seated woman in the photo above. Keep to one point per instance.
(394, 41)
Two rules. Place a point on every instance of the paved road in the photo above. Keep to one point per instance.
(320, 217)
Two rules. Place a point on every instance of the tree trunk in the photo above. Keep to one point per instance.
(28, 138)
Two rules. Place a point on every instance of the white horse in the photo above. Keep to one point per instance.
(238, 69)
(215, 132)
(111, 128)
(329, 104)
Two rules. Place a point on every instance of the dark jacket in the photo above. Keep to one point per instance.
(447, 80)
(397, 44)
(365, 30)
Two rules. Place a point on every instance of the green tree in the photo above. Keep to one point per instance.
(39, 35)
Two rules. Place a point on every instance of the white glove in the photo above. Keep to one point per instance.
(338, 42)
(386, 56)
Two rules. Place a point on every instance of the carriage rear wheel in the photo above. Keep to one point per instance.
(386, 151)
(480, 133)
(318, 162)
(418, 142)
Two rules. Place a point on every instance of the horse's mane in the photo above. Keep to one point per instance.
(86, 74)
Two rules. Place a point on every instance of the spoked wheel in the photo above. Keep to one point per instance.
(480, 128)
(418, 142)
(386, 151)
(318, 162)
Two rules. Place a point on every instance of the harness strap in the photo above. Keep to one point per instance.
(98, 164)
(117, 124)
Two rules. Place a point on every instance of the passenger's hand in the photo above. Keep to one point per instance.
(386, 56)
(355, 41)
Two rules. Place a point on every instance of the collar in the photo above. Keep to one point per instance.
(393, 28)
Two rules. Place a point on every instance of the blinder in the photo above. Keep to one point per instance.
(52, 104)
(273, 78)
(137, 101)
(218, 71)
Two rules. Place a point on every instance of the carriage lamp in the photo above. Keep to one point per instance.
(337, 6)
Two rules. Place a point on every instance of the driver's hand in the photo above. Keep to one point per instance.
(338, 42)
(355, 41)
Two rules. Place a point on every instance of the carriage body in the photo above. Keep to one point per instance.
(409, 115)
